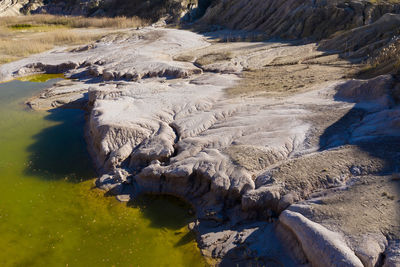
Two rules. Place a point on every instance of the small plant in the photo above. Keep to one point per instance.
(21, 26)
(213, 57)
(387, 195)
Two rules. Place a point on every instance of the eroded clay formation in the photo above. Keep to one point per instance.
(298, 174)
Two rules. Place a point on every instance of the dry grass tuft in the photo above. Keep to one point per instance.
(45, 41)
(16, 48)
(25, 35)
(24, 22)
(185, 58)
(213, 57)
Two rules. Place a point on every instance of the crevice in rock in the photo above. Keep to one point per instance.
(168, 72)
(381, 260)
(39, 67)
(340, 132)
(176, 140)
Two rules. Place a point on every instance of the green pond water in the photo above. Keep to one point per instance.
(50, 213)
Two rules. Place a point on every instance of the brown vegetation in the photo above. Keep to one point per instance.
(284, 80)
(70, 22)
(213, 57)
(383, 61)
(12, 49)
(25, 35)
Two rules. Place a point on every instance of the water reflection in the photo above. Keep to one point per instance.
(59, 151)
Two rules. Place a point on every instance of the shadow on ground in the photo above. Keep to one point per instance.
(59, 151)
(373, 140)
(386, 147)
(164, 211)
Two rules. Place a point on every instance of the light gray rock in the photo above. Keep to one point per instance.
(321, 246)
(370, 249)
(11, 7)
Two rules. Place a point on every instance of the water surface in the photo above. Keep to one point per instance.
(50, 214)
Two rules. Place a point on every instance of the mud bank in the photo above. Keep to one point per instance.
(276, 168)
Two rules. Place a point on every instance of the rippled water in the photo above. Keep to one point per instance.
(50, 214)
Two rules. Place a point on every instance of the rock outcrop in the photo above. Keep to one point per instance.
(152, 10)
(319, 244)
(11, 7)
(291, 19)
(376, 44)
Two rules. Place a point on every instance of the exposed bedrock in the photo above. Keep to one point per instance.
(365, 40)
(376, 45)
(203, 151)
(292, 19)
(129, 58)
(313, 237)
(151, 10)
(276, 177)
(11, 7)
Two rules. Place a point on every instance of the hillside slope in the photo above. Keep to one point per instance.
(293, 19)
(11, 7)
(152, 10)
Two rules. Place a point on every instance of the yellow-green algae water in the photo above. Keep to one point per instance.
(50, 214)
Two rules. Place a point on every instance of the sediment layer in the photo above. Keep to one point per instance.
(291, 19)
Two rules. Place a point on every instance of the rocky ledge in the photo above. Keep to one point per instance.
(284, 160)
